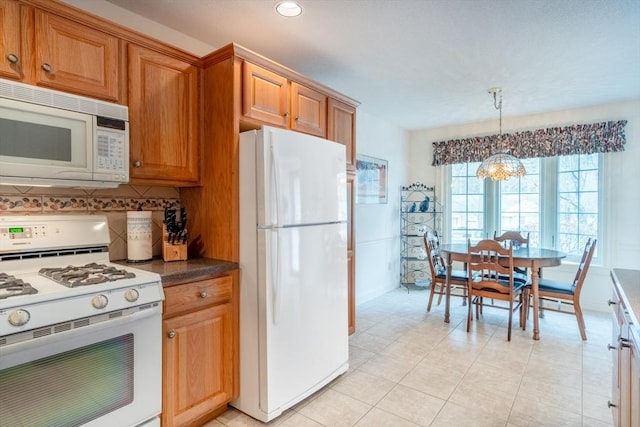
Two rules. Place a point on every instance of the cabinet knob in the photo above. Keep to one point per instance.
(286, 114)
(611, 405)
(47, 68)
(297, 118)
(611, 347)
(611, 302)
(12, 58)
(137, 164)
(171, 334)
(203, 294)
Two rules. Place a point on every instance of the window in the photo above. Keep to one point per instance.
(467, 203)
(578, 201)
(557, 202)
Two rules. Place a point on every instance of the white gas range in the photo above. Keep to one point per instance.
(75, 328)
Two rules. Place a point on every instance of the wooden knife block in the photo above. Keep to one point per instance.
(172, 251)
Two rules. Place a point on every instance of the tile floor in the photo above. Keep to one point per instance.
(409, 368)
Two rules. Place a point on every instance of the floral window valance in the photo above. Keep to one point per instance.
(590, 138)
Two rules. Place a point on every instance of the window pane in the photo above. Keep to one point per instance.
(458, 185)
(589, 181)
(476, 203)
(467, 203)
(519, 197)
(578, 202)
(459, 202)
(589, 203)
(568, 181)
(568, 202)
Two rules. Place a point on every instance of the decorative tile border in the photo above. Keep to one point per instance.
(151, 204)
(14, 203)
(107, 204)
(64, 204)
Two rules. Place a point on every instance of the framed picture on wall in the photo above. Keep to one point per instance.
(371, 180)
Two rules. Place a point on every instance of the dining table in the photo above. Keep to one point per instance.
(525, 257)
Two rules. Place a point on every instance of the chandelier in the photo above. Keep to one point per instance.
(502, 165)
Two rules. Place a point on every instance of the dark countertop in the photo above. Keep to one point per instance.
(629, 282)
(178, 272)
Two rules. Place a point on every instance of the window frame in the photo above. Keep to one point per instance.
(548, 205)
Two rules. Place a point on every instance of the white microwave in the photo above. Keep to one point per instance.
(52, 138)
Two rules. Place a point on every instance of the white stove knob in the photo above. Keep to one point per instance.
(99, 301)
(131, 295)
(19, 317)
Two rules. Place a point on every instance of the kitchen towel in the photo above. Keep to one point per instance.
(139, 227)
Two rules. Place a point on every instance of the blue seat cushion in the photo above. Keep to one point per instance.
(455, 274)
(555, 286)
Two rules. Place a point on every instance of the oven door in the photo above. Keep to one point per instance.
(103, 374)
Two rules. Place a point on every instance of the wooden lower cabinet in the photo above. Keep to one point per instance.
(199, 351)
(625, 347)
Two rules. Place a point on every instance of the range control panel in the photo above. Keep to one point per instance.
(23, 232)
(52, 232)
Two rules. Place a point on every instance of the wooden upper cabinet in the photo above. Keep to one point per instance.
(10, 41)
(75, 58)
(269, 98)
(163, 118)
(341, 127)
(308, 110)
(265, 95)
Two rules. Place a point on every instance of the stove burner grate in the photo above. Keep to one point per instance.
(11, 287)
(89, 274)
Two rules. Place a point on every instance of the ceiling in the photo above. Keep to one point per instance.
(429, 63)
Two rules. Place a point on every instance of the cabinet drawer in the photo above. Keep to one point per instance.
(196, 295)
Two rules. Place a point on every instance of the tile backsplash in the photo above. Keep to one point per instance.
(113, 203)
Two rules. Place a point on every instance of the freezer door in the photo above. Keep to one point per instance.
(301, 179)
(304, 338)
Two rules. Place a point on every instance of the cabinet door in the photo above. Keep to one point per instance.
(351, 253)
(265, 95)
(10, 44)
(616, 358)
(634, 377)
(308, 110)
(75, 58)
(197, 364)
(163, 115)
(341, 127)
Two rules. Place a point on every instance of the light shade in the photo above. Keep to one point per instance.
(501, 166)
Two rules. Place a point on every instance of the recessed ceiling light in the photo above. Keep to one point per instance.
(288, 8)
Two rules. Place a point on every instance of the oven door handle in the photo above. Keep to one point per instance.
(77, 334)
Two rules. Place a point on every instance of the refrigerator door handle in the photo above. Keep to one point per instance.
(275, 185)
(275, 275)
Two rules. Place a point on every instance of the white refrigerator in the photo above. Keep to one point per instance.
(293, 269)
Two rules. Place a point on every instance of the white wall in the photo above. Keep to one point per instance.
(377, 227)
(620, 245)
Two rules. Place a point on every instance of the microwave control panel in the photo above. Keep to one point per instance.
(111, 155)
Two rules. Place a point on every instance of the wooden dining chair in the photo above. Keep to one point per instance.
(514, 238)
(490, 266)
(567, 294)
(438, 270)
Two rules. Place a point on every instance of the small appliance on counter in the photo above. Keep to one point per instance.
(174, 235)
(139, 228)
